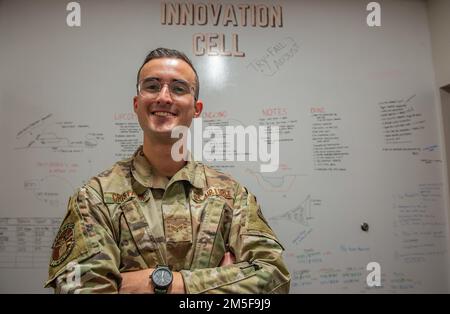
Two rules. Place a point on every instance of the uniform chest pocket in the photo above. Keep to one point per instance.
(178, 235)
(137, 241)
(211, 243)
(130, 256)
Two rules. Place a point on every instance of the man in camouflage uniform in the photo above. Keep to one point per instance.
(151, 210)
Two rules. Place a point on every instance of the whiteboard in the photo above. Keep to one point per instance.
(357, 107)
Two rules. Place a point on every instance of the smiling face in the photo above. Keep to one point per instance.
(159, 112)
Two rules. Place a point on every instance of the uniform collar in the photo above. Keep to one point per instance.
(142, 171)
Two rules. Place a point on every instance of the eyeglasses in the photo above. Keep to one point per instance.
(152, 86)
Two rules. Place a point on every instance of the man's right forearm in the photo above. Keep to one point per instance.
(139, 282)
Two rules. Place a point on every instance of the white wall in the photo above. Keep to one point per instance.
(439, 21)
(439, 16)
(445, 103)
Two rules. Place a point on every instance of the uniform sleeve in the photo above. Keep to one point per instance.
(259, 265)
(85, 257)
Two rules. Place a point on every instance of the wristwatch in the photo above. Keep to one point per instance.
(161, 278)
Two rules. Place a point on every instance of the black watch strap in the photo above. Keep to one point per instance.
(160, 291)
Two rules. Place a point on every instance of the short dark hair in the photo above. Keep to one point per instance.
(169, 53)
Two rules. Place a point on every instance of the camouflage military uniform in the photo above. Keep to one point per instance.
(128, 219)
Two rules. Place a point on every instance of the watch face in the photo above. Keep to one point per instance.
(162, 277)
